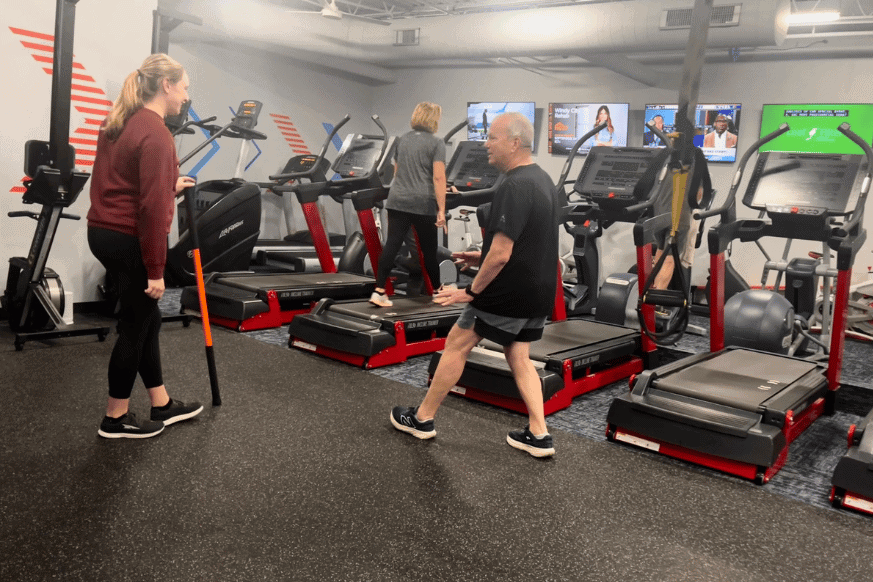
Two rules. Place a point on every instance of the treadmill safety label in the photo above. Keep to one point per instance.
(857, 503)
(636, 441)
(305, 346)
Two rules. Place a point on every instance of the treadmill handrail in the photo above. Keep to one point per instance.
(455, 130)
(730, 202)
(203, 123)
(473, 197)
(282, 178)
(857, 214)
(569, 163)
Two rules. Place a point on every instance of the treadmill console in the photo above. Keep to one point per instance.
(469, 168)
(610, 174)
(805, 186)
(247, 114)
(359, 153)
(303, 163)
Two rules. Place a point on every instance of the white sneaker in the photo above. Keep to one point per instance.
(380, 300)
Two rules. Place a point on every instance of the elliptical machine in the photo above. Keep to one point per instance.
(34, 295)
(229, 211)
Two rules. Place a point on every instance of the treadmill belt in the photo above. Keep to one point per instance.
(562, 336)
(403, 308)
(739, 378)
(292, 280)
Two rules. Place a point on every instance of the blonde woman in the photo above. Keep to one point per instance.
(133, 185)
(417, 197)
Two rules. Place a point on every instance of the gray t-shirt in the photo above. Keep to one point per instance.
(412, 188)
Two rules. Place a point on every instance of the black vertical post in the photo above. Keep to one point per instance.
(62, 81)
(160, 37)
(695, 56)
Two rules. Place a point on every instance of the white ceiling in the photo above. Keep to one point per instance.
(402, 9)
(501, 33)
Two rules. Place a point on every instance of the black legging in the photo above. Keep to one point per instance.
(398, 225)
(137, 349)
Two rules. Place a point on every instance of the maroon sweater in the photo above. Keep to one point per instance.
(133, 186)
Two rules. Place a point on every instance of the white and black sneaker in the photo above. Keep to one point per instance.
(175, 411)
(403, 418)
(129, 427)
(524, 440)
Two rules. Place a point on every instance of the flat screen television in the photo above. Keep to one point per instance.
(570, 121)
(481, 113)
(717, 127)
(813, 127)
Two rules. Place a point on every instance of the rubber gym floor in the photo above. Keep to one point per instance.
(299, 475)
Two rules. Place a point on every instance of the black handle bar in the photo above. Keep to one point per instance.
(857, 213)
(202, 123)
(738, 176)
(282, 178)
(35, 215)
(568, 164)
(455, 130)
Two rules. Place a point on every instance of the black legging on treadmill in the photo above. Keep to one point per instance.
(398, 225)
(137, 349)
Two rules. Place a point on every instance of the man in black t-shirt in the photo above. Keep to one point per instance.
(514, 290)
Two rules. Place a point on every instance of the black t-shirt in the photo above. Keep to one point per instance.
(526, 208)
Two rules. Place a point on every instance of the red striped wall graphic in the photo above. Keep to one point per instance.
(289, 132)
(86, 97)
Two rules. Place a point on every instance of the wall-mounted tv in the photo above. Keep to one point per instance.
(481, 113)
(717, 128)
(813, 127)
(570, 121)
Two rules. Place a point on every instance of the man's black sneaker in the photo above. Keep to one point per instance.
(403, 418)
(524, 440)
(176, 411)
(129, 427)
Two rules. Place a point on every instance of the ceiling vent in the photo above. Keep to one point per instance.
(408, 37)
(678, 18)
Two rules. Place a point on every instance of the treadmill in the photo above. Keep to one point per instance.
(247, 301)
(737, 409)
(295, 253)
(575, 356)
(852, 481)
(361, 334)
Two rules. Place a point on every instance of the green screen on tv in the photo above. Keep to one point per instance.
(813, 127)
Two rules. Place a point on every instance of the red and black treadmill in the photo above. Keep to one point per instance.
(576, 356)
(359, 333)
(736, 409)
(852, 481)
(246, 301)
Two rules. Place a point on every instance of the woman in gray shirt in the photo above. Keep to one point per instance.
(417, 197)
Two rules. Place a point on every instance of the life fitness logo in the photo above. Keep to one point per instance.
(86, 97)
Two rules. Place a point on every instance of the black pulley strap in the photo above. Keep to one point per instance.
(674, 328)
(700, 176)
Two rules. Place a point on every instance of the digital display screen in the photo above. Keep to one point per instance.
(480, 114)
(568, 122)
(813, 127)
(801, 180)
(717, 128)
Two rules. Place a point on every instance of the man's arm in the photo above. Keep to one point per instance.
(497, 257)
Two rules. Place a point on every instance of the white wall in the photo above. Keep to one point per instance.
(220, 80)
(125, 27)
(750, 83)
(222, 77)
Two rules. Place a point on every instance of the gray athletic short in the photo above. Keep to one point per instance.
(499, 328)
